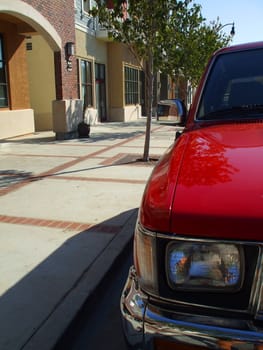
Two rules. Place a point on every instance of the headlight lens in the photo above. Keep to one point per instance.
(204, 266)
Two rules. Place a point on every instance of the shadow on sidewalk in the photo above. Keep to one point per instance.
(12, 176)
(100, 132)
(94, 137)
(43, 302)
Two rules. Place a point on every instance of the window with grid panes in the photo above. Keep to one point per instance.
(132, 86)
(3, 79)
(86, 82)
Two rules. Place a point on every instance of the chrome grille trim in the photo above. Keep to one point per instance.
(258, 293)
(206, 239)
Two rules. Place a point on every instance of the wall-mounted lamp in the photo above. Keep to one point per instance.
(70, 48)
(70, 51)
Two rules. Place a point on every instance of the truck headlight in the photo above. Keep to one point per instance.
(145, 258)
(204, 266)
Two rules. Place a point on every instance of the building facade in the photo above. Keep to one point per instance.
(109, 76)
(58, 66)
(55, 59)
(39, 80)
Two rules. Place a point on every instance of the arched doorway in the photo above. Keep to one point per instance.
(28, 43)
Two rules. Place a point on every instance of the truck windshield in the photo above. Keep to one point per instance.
(234, 88)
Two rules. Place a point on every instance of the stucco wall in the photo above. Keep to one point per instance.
(88, 47)
(60, 14)
(115, 76)
(18, 122)
(126, 114)
(41, 82)
(118, 57)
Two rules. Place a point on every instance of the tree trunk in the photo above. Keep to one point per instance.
(149, 78)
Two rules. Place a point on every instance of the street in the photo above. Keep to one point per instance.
(99, 323)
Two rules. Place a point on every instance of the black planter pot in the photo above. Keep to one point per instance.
(83, 130)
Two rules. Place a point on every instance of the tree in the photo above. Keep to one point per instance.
(192, 48)
(164, 35)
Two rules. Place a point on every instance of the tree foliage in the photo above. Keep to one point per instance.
(170, 36)
(191, 50)
(175, 32)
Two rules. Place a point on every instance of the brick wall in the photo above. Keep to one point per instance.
(60, 14)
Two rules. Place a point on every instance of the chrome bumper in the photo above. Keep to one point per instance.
(144, 323)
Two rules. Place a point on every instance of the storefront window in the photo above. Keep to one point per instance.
(3, 80)
(86, 83)
(132, 86)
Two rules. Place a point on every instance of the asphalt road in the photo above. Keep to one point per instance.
(98, 326)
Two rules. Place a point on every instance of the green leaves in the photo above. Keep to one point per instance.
(173, 31)
(169, 36)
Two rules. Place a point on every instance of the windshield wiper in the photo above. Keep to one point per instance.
(241, 111)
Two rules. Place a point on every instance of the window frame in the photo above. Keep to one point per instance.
(86, 3)
(86, 85)
(3, 83)
(131, 85)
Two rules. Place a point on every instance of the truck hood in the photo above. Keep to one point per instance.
(219, 191)
(214, 184)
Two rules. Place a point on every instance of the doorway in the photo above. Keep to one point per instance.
(100, 91)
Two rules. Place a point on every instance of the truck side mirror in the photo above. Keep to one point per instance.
(172, 110)
(182, 111)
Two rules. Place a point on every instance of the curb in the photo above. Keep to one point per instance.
(70, 306)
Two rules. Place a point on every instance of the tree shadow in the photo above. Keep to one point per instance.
(95, 136)
(112, 132)
(36, 138)
(11, 177)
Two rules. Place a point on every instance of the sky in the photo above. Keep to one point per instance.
(246, 14)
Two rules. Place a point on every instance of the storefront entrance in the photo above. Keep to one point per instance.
(100, 91)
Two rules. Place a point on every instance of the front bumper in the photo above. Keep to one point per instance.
(146, 326)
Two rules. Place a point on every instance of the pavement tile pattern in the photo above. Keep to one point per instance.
(67, 208)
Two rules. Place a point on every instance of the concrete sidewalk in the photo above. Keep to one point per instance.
(67, 210)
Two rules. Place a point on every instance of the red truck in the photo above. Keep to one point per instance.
(197, 279)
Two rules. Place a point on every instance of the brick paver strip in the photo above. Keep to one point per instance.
(96, 179)
(64, 166)
(40, 155)
(69, 225)
(53, 174)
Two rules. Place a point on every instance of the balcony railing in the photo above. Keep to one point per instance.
(102, 33)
